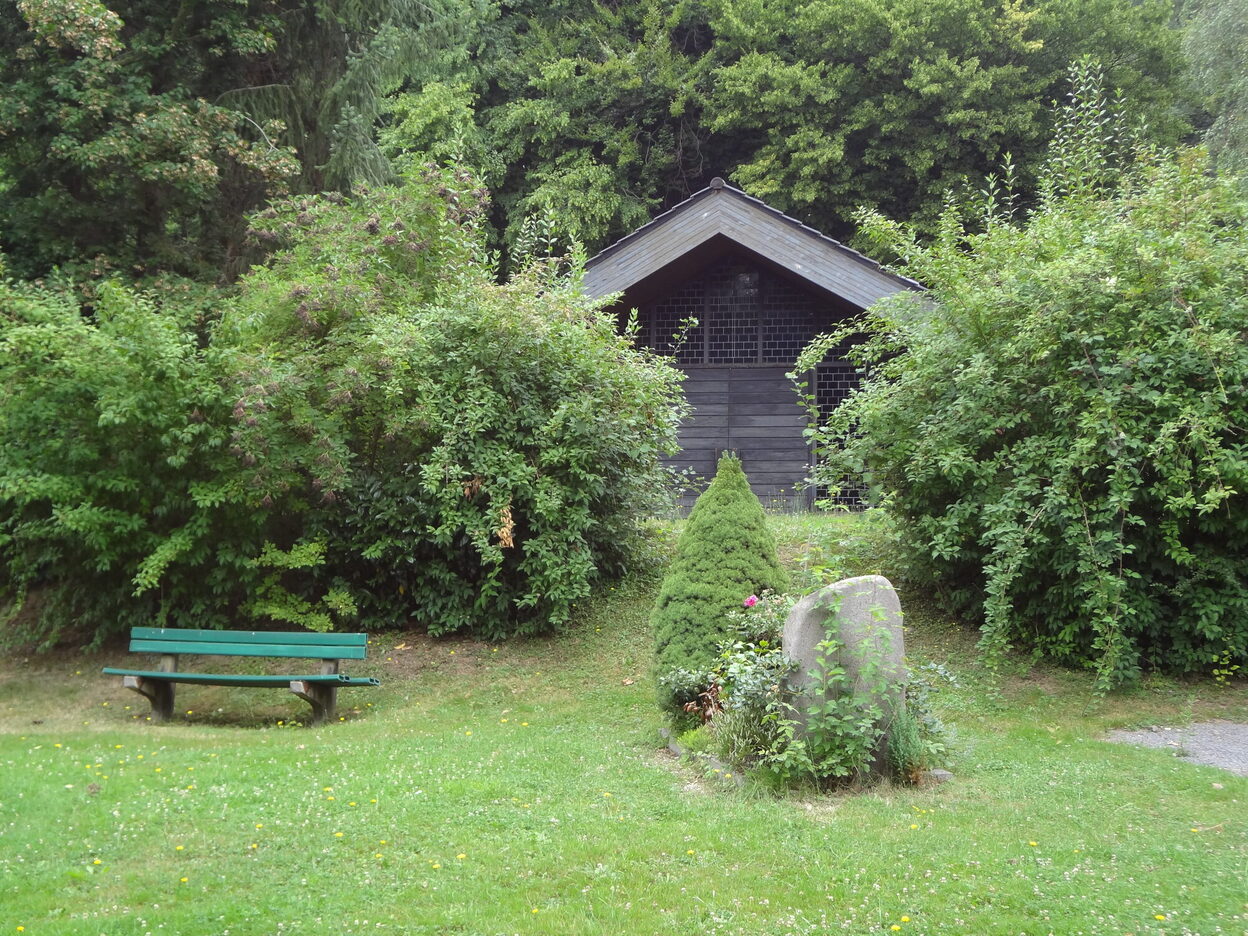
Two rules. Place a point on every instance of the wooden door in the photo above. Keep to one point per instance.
(754, 412)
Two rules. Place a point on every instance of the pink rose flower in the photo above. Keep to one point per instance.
(751, 601)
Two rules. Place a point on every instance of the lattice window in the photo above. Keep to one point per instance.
(664, 325)
(731, 312)
(834, 381)
(745, 314)
(793, 319)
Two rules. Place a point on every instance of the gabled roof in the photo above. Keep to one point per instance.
(721, 211)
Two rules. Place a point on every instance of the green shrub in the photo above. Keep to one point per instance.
(1060, 430)
(740, 737)
(837, 729)
(906, 752)
(473, 454)
(696, 740)
(119, 504)
(725, 554)
(687, 696)
(760, 618)
(375, 431)
(757, 721)
(918, 740)
(830, 734)
(751, 687)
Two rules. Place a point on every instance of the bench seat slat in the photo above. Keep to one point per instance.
(318, 689)
(224, 648)
(237, 679)
(260, 638)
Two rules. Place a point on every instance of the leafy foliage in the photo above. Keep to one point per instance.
(606, 113)
(750, 679)
(595, 110)
(831, 730)
(135, 134)
(140, 133)
(108, 138)
(1059, 426)
(332, 65)
(917, 739)
(473, 454)
(1216, 42)
(889, 103)
(374, 430)
(118, 502)
(437, 124)
(725, 553)
(831, 733)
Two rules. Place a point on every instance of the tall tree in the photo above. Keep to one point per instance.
(605, 113)
(1216, 41)
(141, 131)
(890, 103)
(587, 111)
(601, 122)
(333, 64)
(109, 143)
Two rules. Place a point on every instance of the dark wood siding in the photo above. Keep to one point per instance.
(754, 412)
(760, 285)
(751, 325)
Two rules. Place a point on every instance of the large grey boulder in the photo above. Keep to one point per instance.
(863, 616)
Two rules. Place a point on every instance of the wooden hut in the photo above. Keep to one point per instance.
(760, 286)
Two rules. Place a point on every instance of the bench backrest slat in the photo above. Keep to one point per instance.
(248, 643)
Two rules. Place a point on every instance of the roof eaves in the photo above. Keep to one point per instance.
(657, 221)
(848, 251)
(719, 185)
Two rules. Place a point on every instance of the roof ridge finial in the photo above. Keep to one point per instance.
(717, 183)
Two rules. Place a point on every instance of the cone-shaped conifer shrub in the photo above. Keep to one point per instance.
(725, 554)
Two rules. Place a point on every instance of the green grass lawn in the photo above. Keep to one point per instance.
(521, 788)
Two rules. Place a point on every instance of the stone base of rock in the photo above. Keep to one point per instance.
(863, 616)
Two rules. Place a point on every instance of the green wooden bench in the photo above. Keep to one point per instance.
(319, 689)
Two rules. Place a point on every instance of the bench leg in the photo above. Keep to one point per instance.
(323, 697)
(157, 691)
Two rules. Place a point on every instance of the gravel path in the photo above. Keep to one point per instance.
(1216, 743)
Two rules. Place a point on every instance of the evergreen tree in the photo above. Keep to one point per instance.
(725, 554)
(135, 135)
(1216, 41)
(890, 103)
(603, 114)
(596, 114)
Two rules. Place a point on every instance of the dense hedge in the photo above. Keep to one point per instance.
(118, 500)
(374, 432)
(1061, 429)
